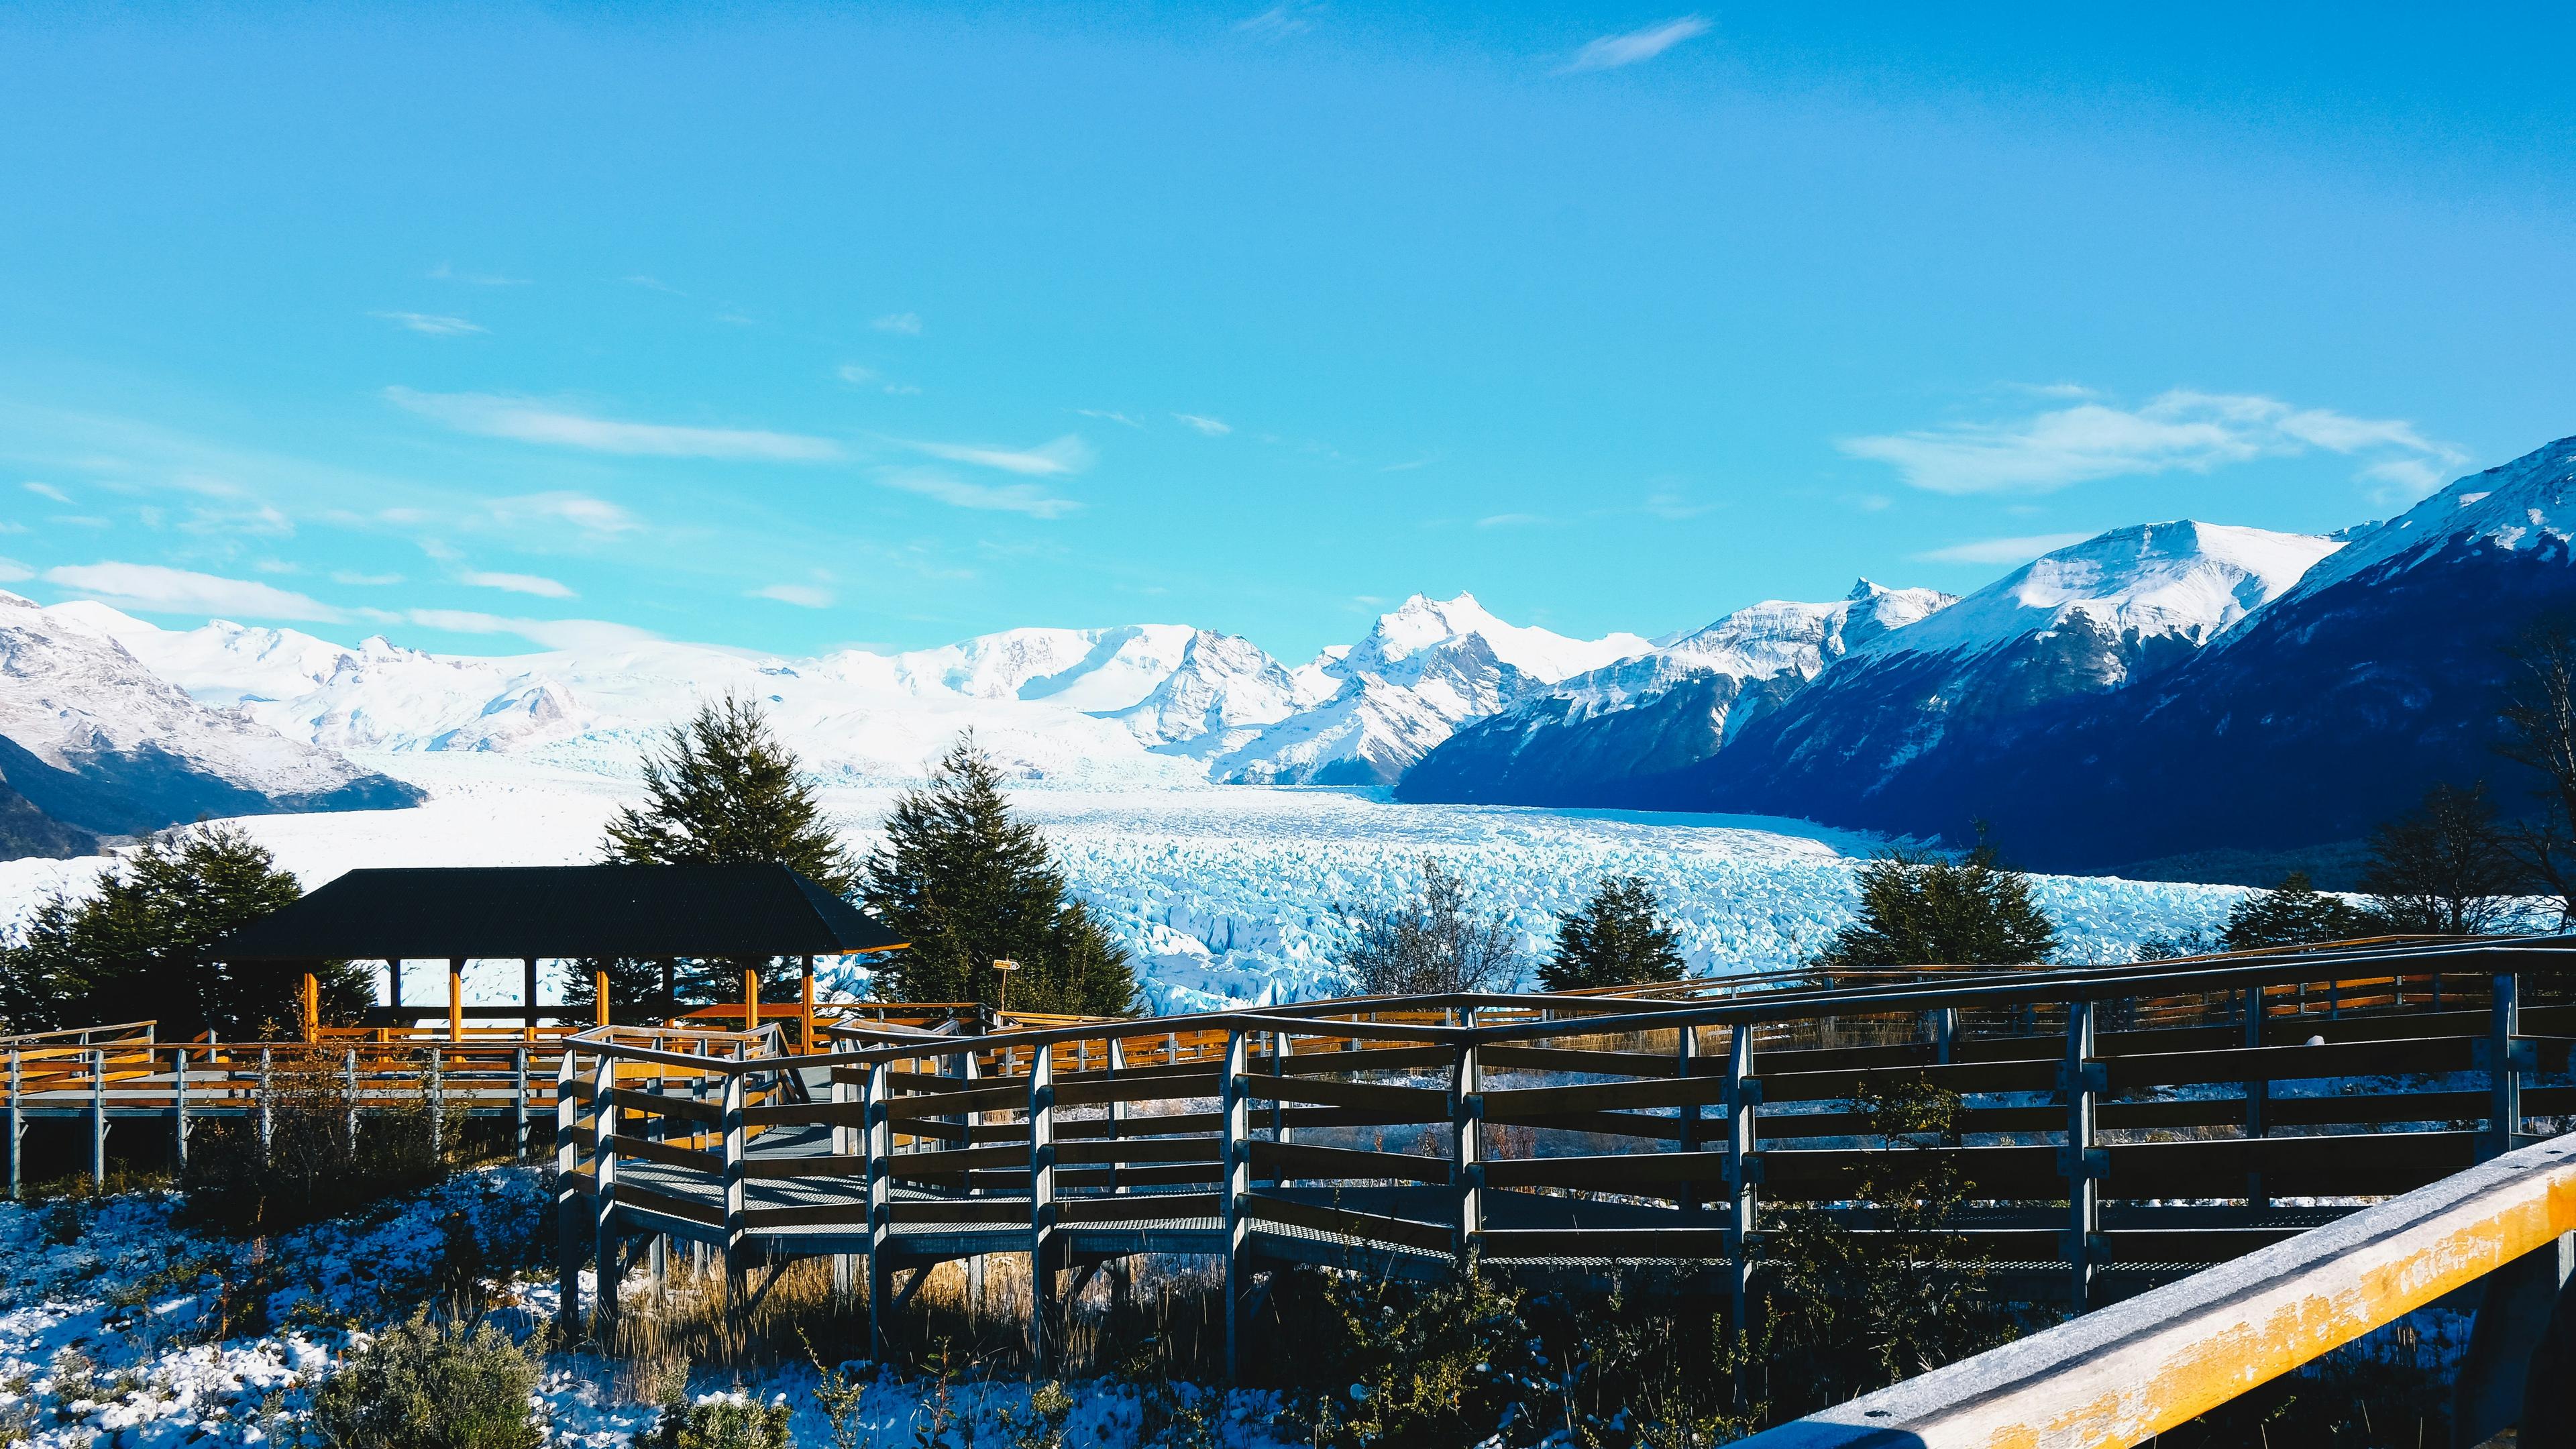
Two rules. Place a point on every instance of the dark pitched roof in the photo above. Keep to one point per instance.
(560, 911)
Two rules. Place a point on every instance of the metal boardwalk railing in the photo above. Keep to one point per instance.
(1577, 1138)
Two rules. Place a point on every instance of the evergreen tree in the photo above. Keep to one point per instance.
(139, 947)
(2445, 867)
(1435, 940)
(2293, 913)
(968, 883)
(1618, 939)
(723, 791)
(1922, 910)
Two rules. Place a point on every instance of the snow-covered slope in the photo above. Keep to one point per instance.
(93, 738)
(2085, 620)
(1424, 669)
(1608, 735)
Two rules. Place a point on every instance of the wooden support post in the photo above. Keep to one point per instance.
(1743, 1094)
(17, 1125)
(312, 1003)
(2504, 1082)
(267, 1107)
(599, 998)
(1045, 1337)
(880, 1180)
(1118, 1106)
(737, 1247)
(845, 1140)
(519, 1138)
(2080, 1162)
(2258, 1106)
(750, 1000)
(1467, 1152)
(435, 1089)
(179, 1109)
(1945, 1035)
(1278, 1069)
(393, 983)
(603, 1170)
(805, 1006)
(1234, 1104)
(1685, 1063)
(349, 1086)
(98, 1119)
(670, 990)
(528, 997)
(455, 1000)
(568, 1215)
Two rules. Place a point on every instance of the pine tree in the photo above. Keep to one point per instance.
(2293, 913)
(139, 946)
(1618, 939)
(724, 791)
(1922, 910)
(968, 883)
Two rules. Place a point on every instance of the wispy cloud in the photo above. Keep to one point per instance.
(596, 516)
(364, 581)
(1279, 21)
(651, 284)
(550, 633)
(47, 490)
(855, 375)
(537, 584)
(154, 588)
(432, 324)
(446, 273)
(12, 571)
(1672, 505)
(803, 596)
(1510, 520)
(1028, 498)
(2001, 550)
(1068, 454)
(1613, 51)
(1207, 426)
(907, 323)
(529, 422)
(2180, 430)
(1108, 417)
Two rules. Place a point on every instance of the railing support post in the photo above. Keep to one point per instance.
(2258, 1104)
(2504, 1083)
(568, 1234)
(736, 1231)
(2514, 1308)
(349, 1085)
(1467, 1154)
(1236, 1154)
(845, 1139)
(267, 1107)
(2080, 1162)
(1685, 1064)
(1742, 1094)
(179, 1109)
(437, 1093)
(519, 1138)
(880, 1150)
(603, 1168)
(17, 1124)
(1043, 1334)
(1117, 1066)
(98, 1118)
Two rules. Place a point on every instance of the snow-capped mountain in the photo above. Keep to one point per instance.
(94, 740)
(2085, 620)
(1608, 735)
(2316, 717)
(1156, 704)
(1424, 669)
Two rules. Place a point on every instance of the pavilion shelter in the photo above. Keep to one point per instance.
(748, 913)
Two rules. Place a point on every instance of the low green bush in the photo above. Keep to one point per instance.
(723, 1422)
(433, 1383)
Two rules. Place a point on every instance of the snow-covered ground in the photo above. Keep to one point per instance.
(109, 1331)
(1226, 893)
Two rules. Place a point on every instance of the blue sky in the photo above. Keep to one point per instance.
(797, 328)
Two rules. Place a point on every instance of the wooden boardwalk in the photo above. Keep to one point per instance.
(1573, 1139)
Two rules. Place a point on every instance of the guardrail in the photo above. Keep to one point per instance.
(2135, 1370)
(1568, 1135)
